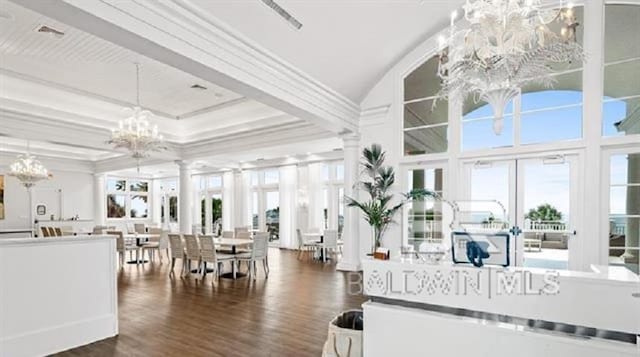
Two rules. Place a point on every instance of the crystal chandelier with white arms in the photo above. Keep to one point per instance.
(28, 170)
(136, 133)
(504, 45)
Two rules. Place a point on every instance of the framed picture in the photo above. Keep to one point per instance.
(1, 196)
(41, 210)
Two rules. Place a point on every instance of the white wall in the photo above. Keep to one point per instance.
(74, 180)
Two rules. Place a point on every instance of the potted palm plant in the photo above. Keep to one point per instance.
(377, 180)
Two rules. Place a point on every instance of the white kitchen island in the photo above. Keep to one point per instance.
(56, 293)
(418, 309)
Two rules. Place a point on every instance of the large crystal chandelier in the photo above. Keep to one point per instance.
(28, 170)
(135, 133)
(503, 45)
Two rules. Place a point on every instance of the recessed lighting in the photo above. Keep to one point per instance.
(49, 31)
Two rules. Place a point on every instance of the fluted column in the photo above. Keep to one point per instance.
(185, 212)
(99, 199)
(351, 251)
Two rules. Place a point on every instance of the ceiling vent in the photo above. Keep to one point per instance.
(198, 86)
(283, 13)
(49, 31)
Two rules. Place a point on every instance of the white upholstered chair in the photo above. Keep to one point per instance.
(124, 245)
(208, 254)
(228, 234)
(329, 243)
(259, 252)
(192, 250)
(305, 247)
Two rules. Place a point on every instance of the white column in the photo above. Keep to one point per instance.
(351, 251)
(99, 199)
(228, 200)
(586, 248)
(288, 203)
(239, 189)
(316, 200)
(185, 212)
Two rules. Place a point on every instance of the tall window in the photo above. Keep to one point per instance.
(424, 217)
(621, 105)
(211, 204)
(333, 195)
(425, 114)
(127, 198)
(169, 201)
(624, 211)
(265, 198)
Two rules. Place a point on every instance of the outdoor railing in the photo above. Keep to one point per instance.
(544, 226)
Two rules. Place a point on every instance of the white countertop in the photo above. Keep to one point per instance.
(50, 240)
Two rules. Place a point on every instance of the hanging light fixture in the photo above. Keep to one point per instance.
(504, 45)
(28, 169)
(136, 133)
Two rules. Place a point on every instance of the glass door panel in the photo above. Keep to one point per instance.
(216, 214)
(272, 215)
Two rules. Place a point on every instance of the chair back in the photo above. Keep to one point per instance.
(243, 235)
(66, 230)
(260, 245)
(240, 229)
(52, 232)
(119, 240)
(300, 239)
(208, 249)
(45, 231)
(164, 239)
(58, 231)
(191, 243)
(139, 228)
(155, 230)
(177, 248)
(330, 238)
(227, 234)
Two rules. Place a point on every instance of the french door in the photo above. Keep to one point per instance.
(534, 197)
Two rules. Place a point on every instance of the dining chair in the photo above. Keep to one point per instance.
(329, 242)
(240, 229)
(228, 234)
(140, 228)
(243, 235)
(58, 231)
(177, 251)
(123, 245)
(259, 252)
(45, 231)
(305, 247)
(52, 232)
(153, 244)
(66, 230)
(208, 254)
(192, 250)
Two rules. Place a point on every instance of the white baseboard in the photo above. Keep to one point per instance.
(348, 266)
(59, 338)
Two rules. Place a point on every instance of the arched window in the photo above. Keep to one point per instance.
(425, 115)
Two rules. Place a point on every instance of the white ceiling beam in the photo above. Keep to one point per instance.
(178, 34)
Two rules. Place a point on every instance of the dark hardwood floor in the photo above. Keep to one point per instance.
(284, 315)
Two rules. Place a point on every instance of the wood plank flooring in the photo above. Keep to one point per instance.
(284, 315)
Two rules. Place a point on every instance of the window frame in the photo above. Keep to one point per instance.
(128, 194)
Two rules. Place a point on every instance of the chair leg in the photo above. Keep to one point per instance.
(173, 265)
(203, 266)
(266, 268)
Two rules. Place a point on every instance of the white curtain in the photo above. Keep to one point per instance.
(227, 201)
(288, 206)
(316, 199)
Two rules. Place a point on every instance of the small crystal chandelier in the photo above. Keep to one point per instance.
(28, 170)
(135, 133)
(504, 45)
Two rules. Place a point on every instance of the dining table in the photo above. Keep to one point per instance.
(139, 237)
(315, 237)
(232, 244)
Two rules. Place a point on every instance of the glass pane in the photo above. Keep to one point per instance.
(424, 217)
(203, 183)
(620, 116)
(139, 186)
(116, 185)
(488, 183)
(426, 140)
(325, 207)
(340, 172)
(325, 172)
(273, 215)
(545, 98)
(423, 81)
(168, 186)
(215, 181)
(173, 209)
(566, 124)
(271, 177)
(624, 200)
(216, 214)
(479, 134)
(425, 113)
(254, 178)
(430, 179)
(625, 169)
(555, 26)
(621, 31)
(138, 207)
(116, 206)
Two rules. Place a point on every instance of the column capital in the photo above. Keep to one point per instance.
(350, 139)
(183, 164)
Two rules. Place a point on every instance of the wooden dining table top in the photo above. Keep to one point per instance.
(141, 235)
